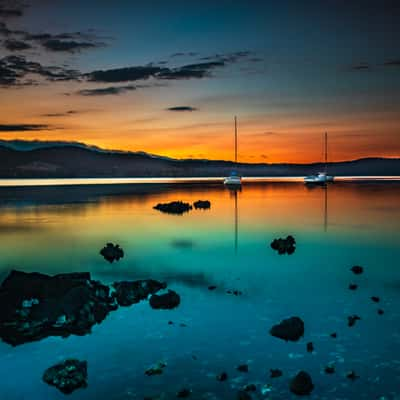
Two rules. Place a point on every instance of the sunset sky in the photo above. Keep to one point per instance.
(167, 77)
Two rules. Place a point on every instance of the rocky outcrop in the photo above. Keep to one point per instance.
(202, 204)
(112, 252)
(67, 376)
(283, 246)
(289, 329)
(301, 384)
(166, 301)
(128, 293)
(174, 207)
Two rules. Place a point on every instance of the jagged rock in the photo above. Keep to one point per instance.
(243, 395)
(353, 286)
(375, 299)
(283, 246)
(67, 376)
(202, 204)
(301, 384)
(289, 329)
(310, 347)
(128, 293)
(112, 252)
(184, 393)
(165, 301)
(352, 319)
(35, 306)
(223, 376)
(156, 369)
(357, 269)
(174, 207)
(275, 373)
(243, 368)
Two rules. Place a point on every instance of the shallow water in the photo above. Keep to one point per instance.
(61, 229)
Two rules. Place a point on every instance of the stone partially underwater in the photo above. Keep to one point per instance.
(112, 252)
(174, 207)
(290, 329)
(283, 246)
(36, 306)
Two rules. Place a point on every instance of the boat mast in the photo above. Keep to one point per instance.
(326, 152)
(235, 140)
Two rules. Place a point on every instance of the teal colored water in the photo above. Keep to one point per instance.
(61, 229)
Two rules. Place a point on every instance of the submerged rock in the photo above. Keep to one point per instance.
(112, 252)
(202, 204)
(352, 376)
(35, 306)
(67, 376)
(156, 369)
(353, 286)
(310, 347)
(165, 301)
(223, 376)
(212, 287)
(243, 395)
(283, 246)
(174, 207)
(251, 387)
(329, 369)
(357, 269)
(333, 335)
(352, 319)
(380, 312)
(289, 329)
(301, 384)
(184, 393)
(375, 299)
(131, 292)
(243, 368)
(275, 373)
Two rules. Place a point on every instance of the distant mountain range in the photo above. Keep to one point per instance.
(58, 159)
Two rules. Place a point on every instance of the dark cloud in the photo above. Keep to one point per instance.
(111, 90)
(392, 63)
(361, 67)
(184, 54)
(182, 108)
(61, 114)
(10, 12)
(191, 71)
(124, 74)
(16, 45)
(23, 127)
(68, 46)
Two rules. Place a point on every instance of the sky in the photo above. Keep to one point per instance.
(168, 77)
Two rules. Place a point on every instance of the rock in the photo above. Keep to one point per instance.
(184, 393)
(182, 243)
(352, 376)
(128, 293)
(357, 269)
(223, 376)
(202, 204)
(251, 387)
(212, 287)
(165, 301)
(243, 368)
(329, 369)
(174, 207)
(380, 312)
(243, 395)
(156, 369)
(35, 306)
(283, 246)
(67, 376)
(275, 373)
(375, 299)
(301, 384)
(352, 320)
(333, 335)
(353, 286)
(112, 252)
(310, 347)
(289, 329)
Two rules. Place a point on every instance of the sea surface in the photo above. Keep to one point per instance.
(56, 229)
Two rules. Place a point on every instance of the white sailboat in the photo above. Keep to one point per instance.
(321, 177)
(234, 179)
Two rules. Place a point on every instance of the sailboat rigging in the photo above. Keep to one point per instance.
(234, 179)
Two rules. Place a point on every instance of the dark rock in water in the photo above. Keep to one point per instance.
(352, 320)
(375, 299)
(35, 306)
(212, 287)
(310, 347)
(112, 252)
(202, 204)
(301, 384)
(67, 376)
(170, 322)
(380, 312)
(222, 377)
(243, 368)
(352, 376)
(182, 243)
(174, 207)
(184, 393)
(182, 325)
(155, 369)
(275, 373)
(243, 395)
(165, 301)
(289, 329)
(329, 369)
(333, 335)
(353, 286)
(357, 269)
(128, 293)
(283, 246)
(251, 387)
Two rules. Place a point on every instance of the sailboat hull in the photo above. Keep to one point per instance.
(233, 181)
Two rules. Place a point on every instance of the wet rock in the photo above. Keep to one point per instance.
(353, 286)
(301, 384)
(375, 299)
(329, 369)
(35, 306)
(156, 369)
(251, 387)
(212, 287)
(165, 301)
(184, 393)
(333, 335)
(112, 252)
(289, 329)
(357, 269)
(275, 373)
(310, 347)
(131, 292)
(283, 246)
(352, 319)
(174, 207)
(202, 204)
(67, 376)
(380, 312)
(243, 395)
(352, 376)
(223, 376)
(243, 368)
(182, 243)
(170, 322)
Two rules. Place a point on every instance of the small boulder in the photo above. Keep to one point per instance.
(156, 369)
(310, 347)
(251, 387)
(184, 393)
(243, 395)
(375, 299)
(352, 376)
(301, 384)
(353, 286)
(202, 204)
(380, 312)
(289, 329)
(243, 368)
(112, 252)
(283, 246)
(131, 292)
(357, 270)
(174, 207)
(67, 376)
(329, 369)
(166, 301)
(275, 373)
(352, 319)
(223, 376)
(333, 335)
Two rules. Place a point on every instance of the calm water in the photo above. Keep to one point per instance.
(61, 229)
